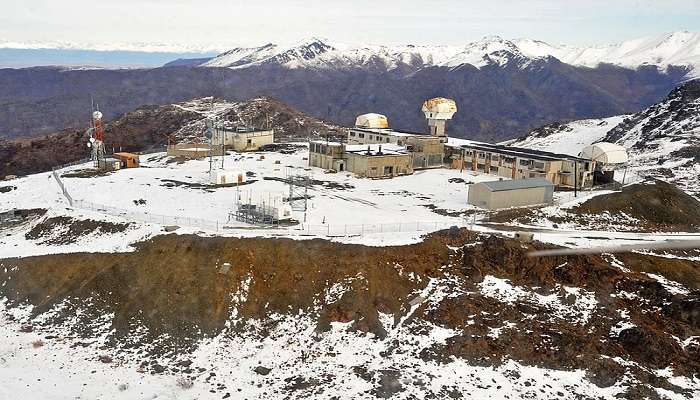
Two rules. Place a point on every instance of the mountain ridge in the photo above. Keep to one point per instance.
(677, 48)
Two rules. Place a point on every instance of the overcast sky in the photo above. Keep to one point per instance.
(254, 22)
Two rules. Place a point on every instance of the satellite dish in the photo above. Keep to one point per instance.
(92, 140)
(97, 115)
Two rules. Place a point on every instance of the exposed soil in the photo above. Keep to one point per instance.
(178, 285)
(202, 186)
(660, 205)
(6, 189)
(13, 218)
(66, 230)
(86, 173)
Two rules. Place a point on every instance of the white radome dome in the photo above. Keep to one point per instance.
(372, 121)
(96, 115)
(606, 153)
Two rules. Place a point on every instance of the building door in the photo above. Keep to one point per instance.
(341, 167)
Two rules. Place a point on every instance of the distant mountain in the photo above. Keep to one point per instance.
(503, 88)
(663, 141)
(187, 62)
(673, 49)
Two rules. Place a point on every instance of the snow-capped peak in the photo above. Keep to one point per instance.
(679, 49)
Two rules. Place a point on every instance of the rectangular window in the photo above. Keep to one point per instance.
(361, 135)
(525, 163)
(539, 165)
(352, 134)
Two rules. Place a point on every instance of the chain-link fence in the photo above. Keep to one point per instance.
(327, 230)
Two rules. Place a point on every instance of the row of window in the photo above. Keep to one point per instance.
(378, 138)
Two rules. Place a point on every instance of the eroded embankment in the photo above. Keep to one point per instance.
(586, 312)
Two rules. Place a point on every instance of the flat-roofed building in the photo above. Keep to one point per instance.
(519, 163)
(426, 151)
(378, 160)
(243, 138)
(327, 155)
(370, 160)
(510, 193)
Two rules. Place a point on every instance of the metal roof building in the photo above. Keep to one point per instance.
(510, 193)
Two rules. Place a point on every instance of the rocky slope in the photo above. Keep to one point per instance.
(663, 140)
(457, 314)
(153, 126)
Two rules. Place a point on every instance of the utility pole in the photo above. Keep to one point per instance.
(575, 178)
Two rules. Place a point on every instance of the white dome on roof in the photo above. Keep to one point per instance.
(439, 108)
(607, 153)
(372, 121)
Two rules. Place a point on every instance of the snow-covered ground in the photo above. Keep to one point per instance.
(341, 207)
(377, 212)
(570, 138)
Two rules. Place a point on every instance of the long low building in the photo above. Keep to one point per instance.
(519, 163)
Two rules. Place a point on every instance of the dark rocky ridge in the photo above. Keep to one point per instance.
(151, 127)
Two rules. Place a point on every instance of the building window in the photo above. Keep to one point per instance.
(361, 135)
(352, 134)
(525, 163)
(387, 140)
(388, 170)
(539, 165)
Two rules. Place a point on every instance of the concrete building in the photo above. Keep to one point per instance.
(426, 151)
(519, 163)
(242, 138)
(371, 160)
(512, 193)
(378, 161)
(327, 155)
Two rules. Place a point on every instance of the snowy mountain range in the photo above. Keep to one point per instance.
(678, 49)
